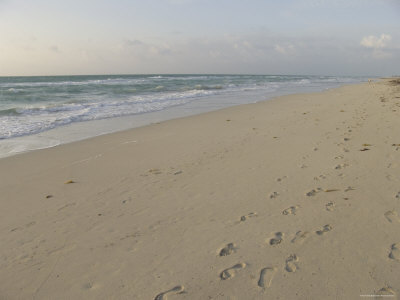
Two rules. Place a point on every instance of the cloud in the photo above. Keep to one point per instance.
(54, 49)
(142, 49)
(163, 49)
(282, 49)
(374, 42)
(260, 52)
(378, 45)
(130, 43)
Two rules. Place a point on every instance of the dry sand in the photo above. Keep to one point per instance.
(294, 198)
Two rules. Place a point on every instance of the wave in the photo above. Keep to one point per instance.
(14, 90)
(10, 112)
(206, 88)
(92, 82)
(32, 105)
(30, 120)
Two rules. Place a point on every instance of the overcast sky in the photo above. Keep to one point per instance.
(322, 37)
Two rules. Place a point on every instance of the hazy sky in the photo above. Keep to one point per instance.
(327, 37)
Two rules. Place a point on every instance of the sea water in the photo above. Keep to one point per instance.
(39, 112)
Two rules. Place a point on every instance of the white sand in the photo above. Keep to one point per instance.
(272, 200)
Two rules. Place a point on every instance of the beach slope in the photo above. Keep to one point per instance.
(293, 198)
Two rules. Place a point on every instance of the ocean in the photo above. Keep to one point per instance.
(40, 112)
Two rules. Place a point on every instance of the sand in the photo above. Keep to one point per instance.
(293, 198)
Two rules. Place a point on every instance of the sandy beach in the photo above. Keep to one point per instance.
(292, 198)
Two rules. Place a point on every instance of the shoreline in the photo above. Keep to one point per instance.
(272, 199)
(86, 129)
(71, 133)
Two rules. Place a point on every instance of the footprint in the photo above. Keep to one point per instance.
(249, 215)
(324, 229)
(398, 195)
(341, 166)
(313, 192)
(277, 239)
(281, 178)
(155, 171)
(291, 263)
(290, 211)
(228, 250)
(392, 216)
(231, 272)
(395, 253)
(88, 286)
(179, 289)
(273, 195)
(300, 237)
(386, 291)
(330, 206)
(320, 177)
(266, 276)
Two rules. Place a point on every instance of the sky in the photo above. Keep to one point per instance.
(307, 37)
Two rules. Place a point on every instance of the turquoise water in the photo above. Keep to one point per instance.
(30, 105)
